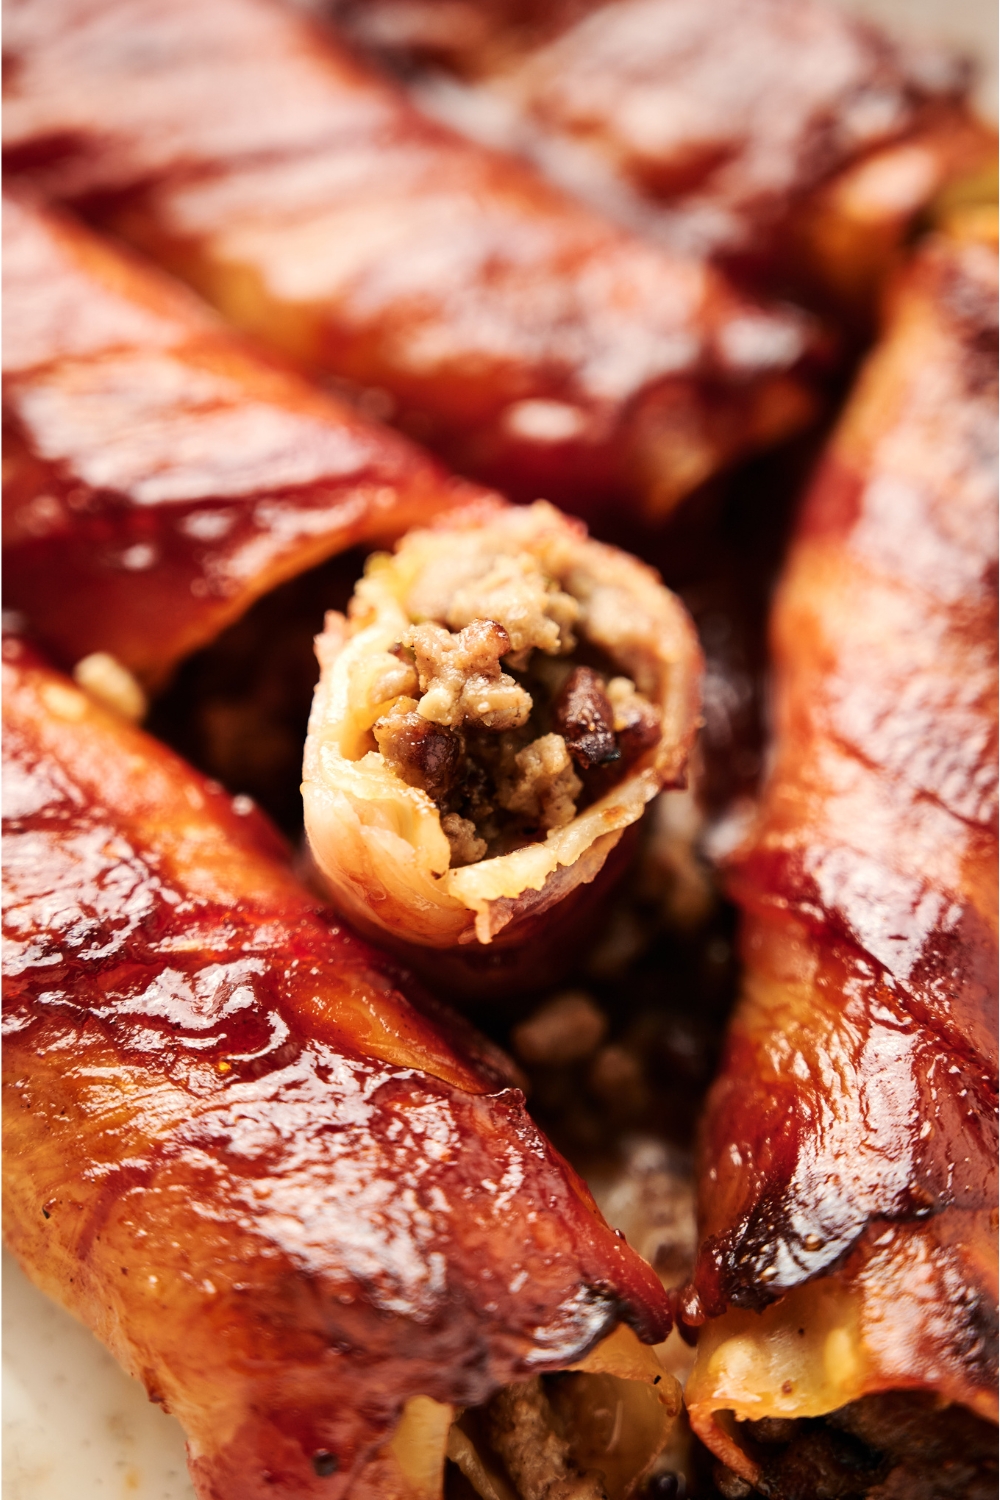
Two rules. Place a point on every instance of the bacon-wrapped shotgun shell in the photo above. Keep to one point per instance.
(159, 476)
(848, 1197)
(528, 339)
(789, 134)
(304, 1210)
(505, 698)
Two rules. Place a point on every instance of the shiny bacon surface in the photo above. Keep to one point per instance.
(159, 476)
(528, 339)
(849, 1153)
(786, 133)
(286, 1197)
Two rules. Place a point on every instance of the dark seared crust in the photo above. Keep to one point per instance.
(868, 879)
(584, 717)
(465, 289)
(159, 475)
(237, 1150)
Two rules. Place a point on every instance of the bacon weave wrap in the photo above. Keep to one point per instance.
(159, 475)
(529, 340)
(291, 1202)
(848, 1168)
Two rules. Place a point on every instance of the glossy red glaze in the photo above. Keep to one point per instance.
(720, 125)
(159, 475)
(528, 339)
(854, 1121)
(287, 1196)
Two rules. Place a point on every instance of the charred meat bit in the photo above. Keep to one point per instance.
(461, 679)
(585, 719)
(522, 1432)
(422, 753)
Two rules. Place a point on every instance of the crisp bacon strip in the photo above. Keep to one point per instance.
(528, 339)
(309, 1216)
(158, 475)
(848, 1182)
(787, 134)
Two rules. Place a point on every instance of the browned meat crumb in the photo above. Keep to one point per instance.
(522, 1431)
(730, 1485)
(564, 1030)
(544, 787)
(421, 752)
(636, 721)
(514, 591)
(585, 719)
(617, 1078)
(467, 848)
(461, 679)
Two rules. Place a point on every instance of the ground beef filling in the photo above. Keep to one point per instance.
(508, 740)
(896, 1446)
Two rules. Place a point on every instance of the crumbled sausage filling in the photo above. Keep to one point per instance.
(899, 1445)
(491, 714)
(460, 676)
